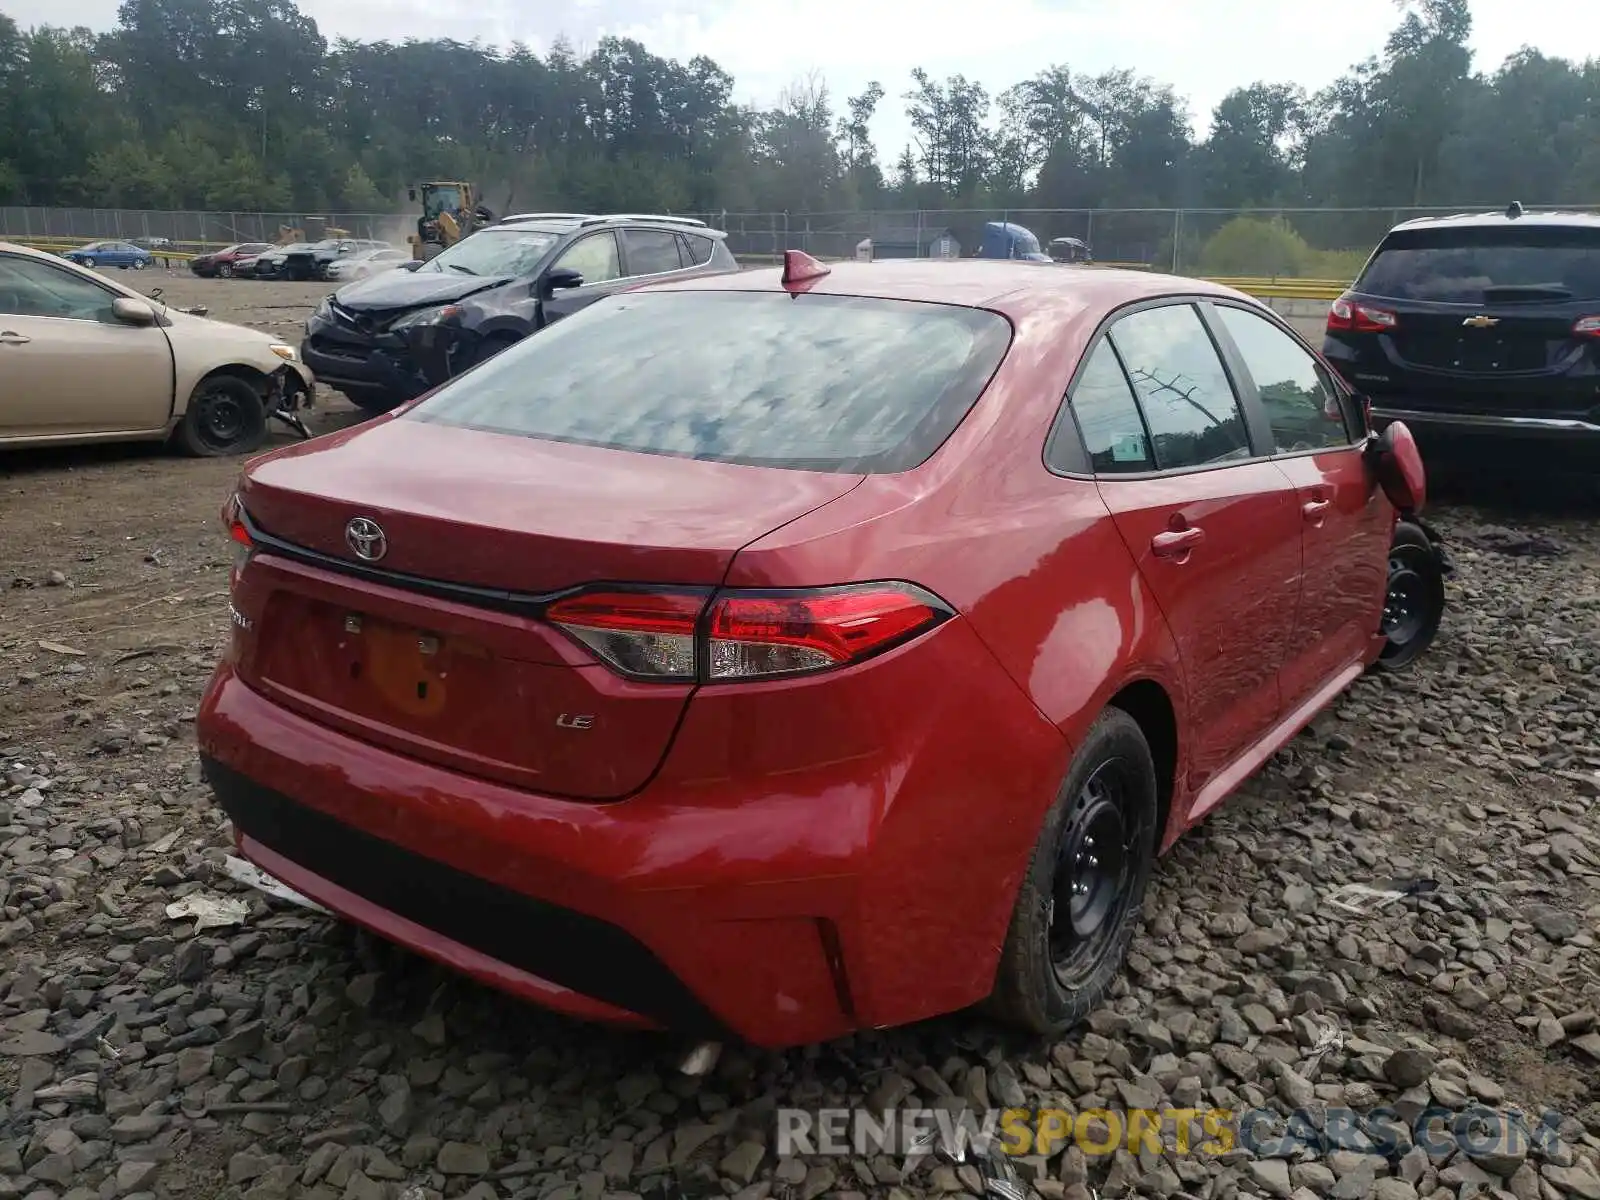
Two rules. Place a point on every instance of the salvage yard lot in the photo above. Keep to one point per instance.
(293, 1057)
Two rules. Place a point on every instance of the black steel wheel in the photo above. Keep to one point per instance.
(1413, 600)
(226, 416)
(1100, 843)
(1078, 905)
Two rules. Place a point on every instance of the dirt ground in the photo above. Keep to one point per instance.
(295, 1059)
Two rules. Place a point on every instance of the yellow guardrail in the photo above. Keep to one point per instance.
(1283, 288)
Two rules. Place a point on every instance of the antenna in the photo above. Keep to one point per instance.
(800, 267)
(1514, 210)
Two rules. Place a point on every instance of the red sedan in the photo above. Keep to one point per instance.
(789, 653)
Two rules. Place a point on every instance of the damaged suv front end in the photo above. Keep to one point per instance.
(390, 337)
(384, 357)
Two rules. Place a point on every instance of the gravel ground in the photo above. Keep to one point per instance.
(289, 1056)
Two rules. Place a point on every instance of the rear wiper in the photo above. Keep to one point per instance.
(1527, 291)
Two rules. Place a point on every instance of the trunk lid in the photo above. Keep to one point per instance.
(435, 649)
(1507, 359)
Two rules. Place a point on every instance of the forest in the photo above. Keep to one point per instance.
(244, 105)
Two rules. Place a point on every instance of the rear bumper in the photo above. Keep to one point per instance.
(781, 904)
(1486, 424)
(502, 936)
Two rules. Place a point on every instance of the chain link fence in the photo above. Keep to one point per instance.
(1290, 243)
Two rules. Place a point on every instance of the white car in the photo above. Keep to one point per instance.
(83, 359)
(366, 262)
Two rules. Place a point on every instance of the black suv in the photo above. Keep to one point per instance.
(1483, 324)
(383, 340)
(313, 261)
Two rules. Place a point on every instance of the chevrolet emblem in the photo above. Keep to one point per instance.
(1481, 322)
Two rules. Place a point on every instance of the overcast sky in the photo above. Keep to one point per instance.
(1202, 47)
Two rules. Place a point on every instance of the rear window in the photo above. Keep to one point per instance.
(809, 382)
(1492, 265)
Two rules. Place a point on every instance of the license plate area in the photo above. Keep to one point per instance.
(406, 670)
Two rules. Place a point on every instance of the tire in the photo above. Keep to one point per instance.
(224, 271)
(1050, 978)
(1413, 603)
(225, 417)
(375, 403)
(492, 345)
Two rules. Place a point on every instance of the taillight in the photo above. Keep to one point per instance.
(238, 533)
(649, 635)
(1586, 327)
(745, 634)
(1350, 316)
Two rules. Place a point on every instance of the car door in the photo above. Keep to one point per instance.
(1211, 522)
(596, 258)
(1346, 522)
(68, 366)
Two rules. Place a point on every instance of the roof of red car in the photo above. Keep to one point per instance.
(1009, 287)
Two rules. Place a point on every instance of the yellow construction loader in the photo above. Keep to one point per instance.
(450, 211)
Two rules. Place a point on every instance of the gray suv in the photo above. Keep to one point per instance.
(384, 340)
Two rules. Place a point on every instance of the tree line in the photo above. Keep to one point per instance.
(243, 105)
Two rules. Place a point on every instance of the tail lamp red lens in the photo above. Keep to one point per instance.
(745, 634)
(238, 533)
(1351, 316)
(1586, 327)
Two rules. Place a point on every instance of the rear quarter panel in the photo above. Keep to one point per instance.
(1039, 573)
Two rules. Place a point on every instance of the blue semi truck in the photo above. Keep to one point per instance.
(1006, 239)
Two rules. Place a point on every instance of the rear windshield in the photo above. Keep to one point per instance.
(1495, 265)
(809, 382)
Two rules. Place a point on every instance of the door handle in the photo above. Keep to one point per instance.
(11, 338)
(1176, 543)
(1315, 510)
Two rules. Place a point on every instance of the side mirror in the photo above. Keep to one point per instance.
(411, 265)
(557, 279)
(133, 312)
(411, 194)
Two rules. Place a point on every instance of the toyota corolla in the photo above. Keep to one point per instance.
(800, 651)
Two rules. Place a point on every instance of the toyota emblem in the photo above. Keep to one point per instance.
(366, 538)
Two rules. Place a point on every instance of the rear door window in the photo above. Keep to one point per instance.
(809, 382)
(1490, 265)
(1188, 402)
(650, 251)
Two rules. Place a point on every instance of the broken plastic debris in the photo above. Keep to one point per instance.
(701, 1059)
(252, 876)
(1358, 898)
(1330, 1038)
(209, 912)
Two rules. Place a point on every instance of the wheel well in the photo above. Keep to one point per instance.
(239, 371)
(1148, 704)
